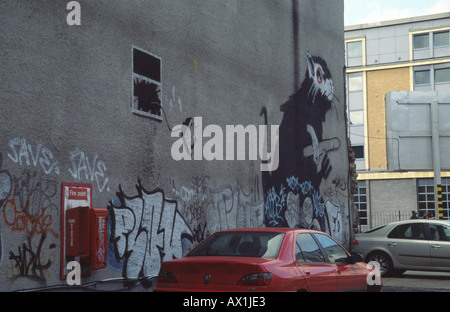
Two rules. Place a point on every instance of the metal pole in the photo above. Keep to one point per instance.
(436, 157)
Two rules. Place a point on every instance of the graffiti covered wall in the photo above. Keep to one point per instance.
(95, 101)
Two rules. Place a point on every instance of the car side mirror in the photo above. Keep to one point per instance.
(356, 257)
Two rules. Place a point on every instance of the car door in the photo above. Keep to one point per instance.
(440, 245)
(409, 246)
(349, 276)
(320, 276)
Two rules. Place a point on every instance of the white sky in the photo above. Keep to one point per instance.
(371, 11)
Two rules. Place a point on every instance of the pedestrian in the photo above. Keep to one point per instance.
(414, 215)
(431, 215)
(424, 215)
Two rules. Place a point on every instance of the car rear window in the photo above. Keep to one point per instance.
(240, 244)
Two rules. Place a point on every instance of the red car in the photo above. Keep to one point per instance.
(267, 259)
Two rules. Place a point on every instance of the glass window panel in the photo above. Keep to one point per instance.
(309, 248)
(422, 77)
(359, 154)
(334, 252)
(421, 41)
(356, 118)
(355, 83)
(442, 75)
(354, 49)
(441, 39)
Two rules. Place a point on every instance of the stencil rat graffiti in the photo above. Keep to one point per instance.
(292, 196)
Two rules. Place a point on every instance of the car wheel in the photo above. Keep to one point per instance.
(385, 262)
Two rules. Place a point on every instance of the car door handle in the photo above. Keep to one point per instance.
(435, 246)
(307, 272)
(392, 244)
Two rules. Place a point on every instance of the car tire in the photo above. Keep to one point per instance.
(385, 262)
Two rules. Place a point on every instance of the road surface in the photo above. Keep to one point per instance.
(412, 281)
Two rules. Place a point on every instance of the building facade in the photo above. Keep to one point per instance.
(396, 170)
(124, 124)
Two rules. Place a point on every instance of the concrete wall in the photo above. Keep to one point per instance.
(69, 116)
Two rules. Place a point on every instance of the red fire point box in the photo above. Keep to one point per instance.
(77, 232)
(99, 234)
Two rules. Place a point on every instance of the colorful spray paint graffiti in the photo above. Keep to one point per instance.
(147, 229)
(29, 202)
(28, 207)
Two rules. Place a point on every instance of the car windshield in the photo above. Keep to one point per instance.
(240, 244)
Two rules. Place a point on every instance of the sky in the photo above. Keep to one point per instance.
(372, 11)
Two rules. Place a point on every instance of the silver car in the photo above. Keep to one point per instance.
(417, 244)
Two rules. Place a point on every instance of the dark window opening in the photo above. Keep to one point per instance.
(146, 84)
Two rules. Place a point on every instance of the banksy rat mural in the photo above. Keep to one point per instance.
(292, 192)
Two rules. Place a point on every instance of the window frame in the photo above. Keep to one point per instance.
(427, 34)
(438, 33)
(319, 249)
(351, 121)
(360, 46)
(441, 230)
(361, 205)
(425, 196)
(435, 75)
(334, 245)
(422, 84)
(355, 76)
(139, 77)
(409, 226)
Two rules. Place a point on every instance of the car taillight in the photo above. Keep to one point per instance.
(166, 277)
(257, 279)
(355, 242)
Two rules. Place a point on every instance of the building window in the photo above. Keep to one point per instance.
(441, 39)
(425, 193)
(354, 49)
(442, 75)
(359, 151)
(421, 77)
(360, 200)
(356, 118)
(355, 83)
(422, 41)
(146, 84)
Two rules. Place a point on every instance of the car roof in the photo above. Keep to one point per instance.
(267, 229)
(419, 221)
(422, 220)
